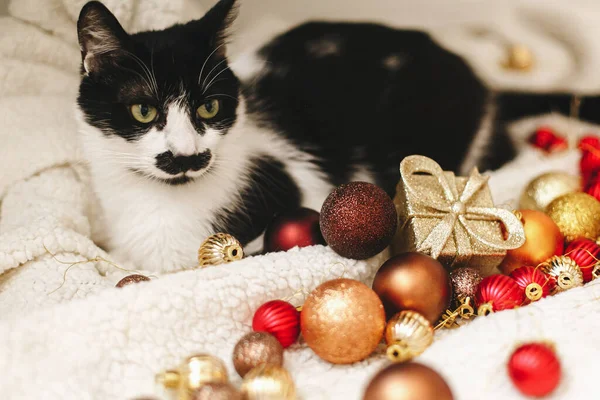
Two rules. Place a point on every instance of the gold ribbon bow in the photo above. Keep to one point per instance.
(454, 211)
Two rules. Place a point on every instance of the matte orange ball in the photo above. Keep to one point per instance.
(414, 281)
(542, 241)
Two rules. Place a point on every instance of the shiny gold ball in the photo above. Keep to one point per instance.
(217, 391)
(565, 271)
(268, 382)
(409, 381)
(577, 215)
(547, 187)
(519, 58)
(256, 348)
(407, 335)
(342, 321)
(219, 249)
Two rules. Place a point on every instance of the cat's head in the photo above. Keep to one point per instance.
(161, 101)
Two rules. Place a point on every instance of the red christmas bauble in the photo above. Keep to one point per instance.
(497, 293)
(358, 220)
(586, 253)
(546, 139)
(589, 142)
(593, 187)
(280, 319)
(589, 165)
(534, 369)
(298, 227)
(533, 282)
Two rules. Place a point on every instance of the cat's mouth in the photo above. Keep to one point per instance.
(177, 180)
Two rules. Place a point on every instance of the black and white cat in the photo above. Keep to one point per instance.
(181, 147)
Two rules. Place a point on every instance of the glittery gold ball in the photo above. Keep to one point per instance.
(464, 284)
(342, 321)
(219, 249)
(577, 215)
(268, 382)
(407, 335)
(564, 270)
(256, 348)
(217, 391)
(131, 279)
(547, 187)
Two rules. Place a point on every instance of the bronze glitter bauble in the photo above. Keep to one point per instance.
(131, 279)
(358, 220)
(256, 348)
(407, 335)
(547, 187)
(268, 382)
(217, 391)
(543, 239)
(577, 216)
(464, 284)
(414, 281)
(220, 248)
(342, 321)
(410, 381)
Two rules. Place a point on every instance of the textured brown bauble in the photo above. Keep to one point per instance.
(256, 348)
(543, 240)
(577, 215)
(342, 321)
(217, 391)
(414, 281)
(358, 220)
(464, 284)
(131, 279)
(411, 381)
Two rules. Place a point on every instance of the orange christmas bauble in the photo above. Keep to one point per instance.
(542, 241)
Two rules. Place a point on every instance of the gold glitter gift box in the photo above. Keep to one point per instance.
(452, 218)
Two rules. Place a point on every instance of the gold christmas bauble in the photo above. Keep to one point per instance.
(407, 335)
(217, 391)
(564, 270)
(256, 348)
(577, 215)
(268, 382)
(342, 321)
(547, 187)
(219, 249)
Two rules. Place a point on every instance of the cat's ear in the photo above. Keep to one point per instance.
(101, 38)
(217, 22)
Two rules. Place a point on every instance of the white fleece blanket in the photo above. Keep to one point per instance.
(72, 335)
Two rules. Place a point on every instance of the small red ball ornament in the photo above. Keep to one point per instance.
(593, 188)
(280, 319)
(589, 142)
(533, 282)
(589, 165)
(497, 293)
(544, 138)
(586, 253)
(534, 369)
(298, 227)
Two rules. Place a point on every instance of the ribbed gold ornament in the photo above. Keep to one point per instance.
(268, 382)
(566, 272)
(407, 334)
(219, 249)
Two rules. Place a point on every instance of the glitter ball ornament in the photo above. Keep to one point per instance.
(358, 220)
(533, 282)
(407, 381)
(542, 190)
(217, 391)
(192, 374)
(268, 382)
(535, 369)
(577, 215)
(131, 279)
(407, 335)
(293, 228)
(219, 249)
(280, 319)
(256, 348)
(497, 293)
(342, 321)
(564, 271)
(586, 253)
(464, 284)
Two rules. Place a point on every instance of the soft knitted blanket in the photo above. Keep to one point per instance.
(72, 335)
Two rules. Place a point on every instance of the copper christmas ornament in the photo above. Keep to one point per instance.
(407, 335)
(268, 382)
(217, 391)
(564, 271)
(414, 281)
(547, 187)
(464, 284)
(131, 279)
(409, 381)
(342, 321)
(219, 249)
(256, 348)
(193, 373)
(577, 216)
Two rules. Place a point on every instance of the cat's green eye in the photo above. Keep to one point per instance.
(144, 113)
(209, 109)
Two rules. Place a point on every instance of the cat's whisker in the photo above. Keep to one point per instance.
(208, 58)
(213, 79)
(222, 95)
(212, 70)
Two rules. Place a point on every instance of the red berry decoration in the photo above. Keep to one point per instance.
(534, 369)
(497, 293)
(358, 220)
(280, 319)
(533, 282)
(298, 227)
(546, 139)
(586, 253)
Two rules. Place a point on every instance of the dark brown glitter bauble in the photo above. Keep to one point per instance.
(256, 348)
(131, 279)
(464, 284)
(358, 220)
